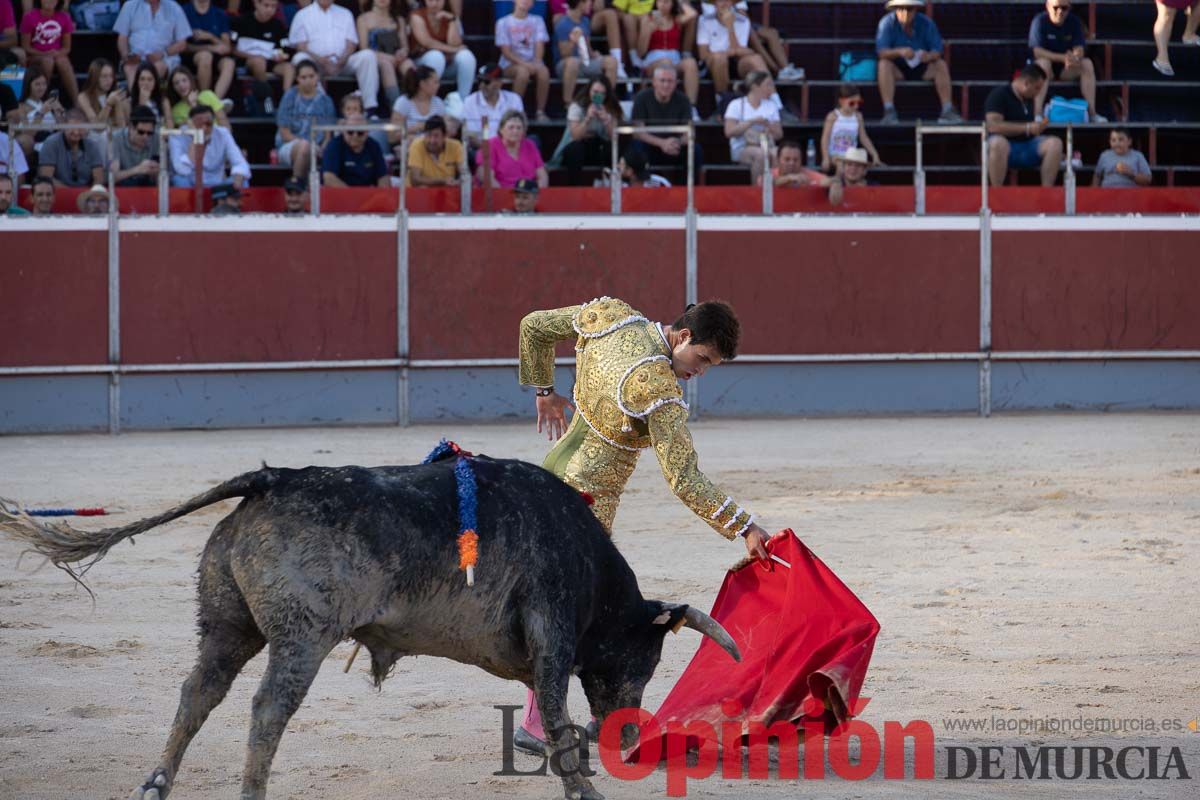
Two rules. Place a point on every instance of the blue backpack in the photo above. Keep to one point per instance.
(857, 67)
(1060, 109)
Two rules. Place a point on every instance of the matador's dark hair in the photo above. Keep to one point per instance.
(713, 322)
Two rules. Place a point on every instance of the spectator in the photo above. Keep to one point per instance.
(490, 100)
(184, 93)
(46, 39)
(512, 157)
(1162, 30)
(102, 100)
(418, 103)
(303, 106)
(94, 201)
(1015, 140)
(592, 119)
(844, 128)
(147, 93)
(573, 54)
(852, 171)
(659, 44)
(790, 171)
(295, 196)
(748, 118)
(604, 21)
(630, 13)
(8, 195)
(10, 39)
(383, 31)
(522, 39)
(437, 43)
(19, 166)
(664, 104)
(1056, 44)
(259, 41)
(227, 200)
(434, 159)
(38, 106)
(352, 104)
(43, 196)
(222, 161)
(209, 45)
(1120, 166)
(765, 41)
(324, 33)
(525, 195)
(155, 31)
(70, 157)
(724, 42)
(354, 160)
(910, 48)
(135, 151)
(636, 174)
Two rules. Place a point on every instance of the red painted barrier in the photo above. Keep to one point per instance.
(259, 296)
(1102, 290)
(55, 289)
(847, 291)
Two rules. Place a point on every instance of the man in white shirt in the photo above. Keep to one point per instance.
(490, 100)
(19, 165)
(324, 33)
(220, 153)
(723, 39)
(151, 30)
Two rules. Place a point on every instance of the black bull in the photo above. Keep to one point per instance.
(313, 556)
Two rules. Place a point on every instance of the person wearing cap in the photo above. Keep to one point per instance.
(1056, 44)
(295, 196)
(222, 161)
(525, 195)
(93, 201)
(491, 101)
(434, 159)
(910, 48)
(227, 200)
(851, 171)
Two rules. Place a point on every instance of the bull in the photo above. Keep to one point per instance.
(311, 557)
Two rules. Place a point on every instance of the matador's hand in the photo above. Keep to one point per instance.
(550, 414)
(756, 542)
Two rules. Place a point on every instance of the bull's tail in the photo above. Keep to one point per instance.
(75, 551)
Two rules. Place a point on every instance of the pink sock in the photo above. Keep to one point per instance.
(533, 718)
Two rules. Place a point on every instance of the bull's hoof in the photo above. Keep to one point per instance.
(593, 731)
(156, 787)
(587, 793)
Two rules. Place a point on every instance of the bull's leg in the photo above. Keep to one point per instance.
(551, 677)
(291, 668)
(223, 653)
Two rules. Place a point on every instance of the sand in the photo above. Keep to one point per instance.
(1021, 567)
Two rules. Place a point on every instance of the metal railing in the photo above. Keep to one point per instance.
(54, 127)
(616, 184)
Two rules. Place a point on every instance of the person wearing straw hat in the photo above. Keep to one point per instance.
(93, 201)
(910, 47)
(851, 171)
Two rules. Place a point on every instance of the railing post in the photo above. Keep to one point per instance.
(614, 177)
(1069, 175)
(314, 177)
(768, 183)
(198, 171)
(985, 312)
(919, 173)
(464, 182)
(983, 168)
(691, 280)
(164, 171)
(114, 296)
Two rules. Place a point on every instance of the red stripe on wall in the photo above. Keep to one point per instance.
(55, 290)
(193, 297)
(1107, 290)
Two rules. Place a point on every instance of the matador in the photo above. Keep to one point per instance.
(627, 398)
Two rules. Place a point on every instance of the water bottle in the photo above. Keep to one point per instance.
(810, 154)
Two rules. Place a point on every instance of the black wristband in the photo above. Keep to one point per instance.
(544, 391)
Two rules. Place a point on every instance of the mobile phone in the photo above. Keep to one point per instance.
(52, 94)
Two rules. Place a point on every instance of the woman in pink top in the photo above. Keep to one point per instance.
(46, 37)
(513, 157)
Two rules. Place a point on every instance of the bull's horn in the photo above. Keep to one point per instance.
(697, 620)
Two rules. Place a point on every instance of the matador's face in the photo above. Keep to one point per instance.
(689, 360)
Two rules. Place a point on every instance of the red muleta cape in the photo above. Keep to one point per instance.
(801, 634)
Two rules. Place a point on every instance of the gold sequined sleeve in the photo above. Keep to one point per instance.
(672, 444)
(540, 331)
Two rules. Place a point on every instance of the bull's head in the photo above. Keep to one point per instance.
(616, 670)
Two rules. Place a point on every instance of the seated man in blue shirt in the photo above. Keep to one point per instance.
(210, 45)
(354, 160)
(1056, 41)
(910, 48)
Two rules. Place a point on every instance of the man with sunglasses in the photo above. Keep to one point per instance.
(135, 150)
(1056, 44)
(352, 159)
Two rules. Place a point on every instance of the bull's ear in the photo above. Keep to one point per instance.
(668, 615)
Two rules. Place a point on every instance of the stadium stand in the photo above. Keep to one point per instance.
(986, 43)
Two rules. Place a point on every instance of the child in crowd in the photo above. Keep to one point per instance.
(845, 129)
(1120, 166)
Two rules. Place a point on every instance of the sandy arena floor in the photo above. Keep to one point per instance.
(1021, 567)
